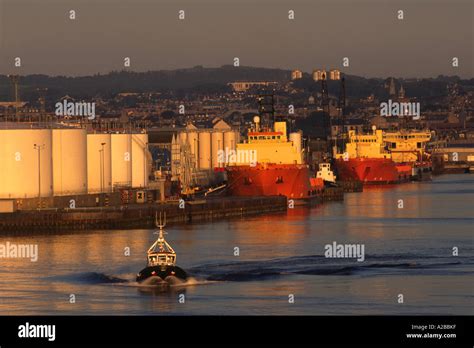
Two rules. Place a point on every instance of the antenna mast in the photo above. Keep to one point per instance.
(160, 224)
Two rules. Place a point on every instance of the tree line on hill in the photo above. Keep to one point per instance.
(200, 80)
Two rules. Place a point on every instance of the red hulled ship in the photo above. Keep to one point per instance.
(368, 170)
(275, 166)
(290, 180)
(366, 160)
(377, 158)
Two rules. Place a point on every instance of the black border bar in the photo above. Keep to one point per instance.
(290, 330)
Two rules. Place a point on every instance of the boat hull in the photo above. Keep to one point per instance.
(155, 275)
(404, 171)
(370, 171)
(290, 180)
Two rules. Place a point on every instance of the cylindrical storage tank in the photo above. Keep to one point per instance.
(69, 161)
(121, 160)
(230, 140)
(205, 150)
(25, 163)
(296, 138)
(99, 167)
(141, 160)
(217, 144)
(193, 140)
(183, 138)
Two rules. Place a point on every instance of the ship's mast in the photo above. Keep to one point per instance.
(161, 243)
(160, 224)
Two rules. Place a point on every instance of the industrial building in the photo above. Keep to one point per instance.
(195, 152)
(243, 86)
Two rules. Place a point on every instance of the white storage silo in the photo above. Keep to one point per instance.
(121, 159)
(230, 140)
(204, 150)
(99, 168)
(217, 144)
(141, 160)
(69, 161)
(183, 138)
(193, 140)
(25, 163)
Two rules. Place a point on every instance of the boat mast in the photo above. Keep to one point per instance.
(160, 242)
(160, 224)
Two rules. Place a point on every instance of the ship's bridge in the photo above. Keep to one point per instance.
(272, 146)
(365, 146)
(407, 146)
(257, 137)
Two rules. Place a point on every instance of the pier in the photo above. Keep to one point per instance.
(351, 186)
(137, 215)
(332, 194)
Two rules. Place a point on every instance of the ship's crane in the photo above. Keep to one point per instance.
(266, 109)
(187, 172)
(324, 94)
(342, 106)
(323, 77)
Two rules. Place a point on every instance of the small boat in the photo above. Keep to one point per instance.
(161, 262)
(326, 174)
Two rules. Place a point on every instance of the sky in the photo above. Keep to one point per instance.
(258, 32)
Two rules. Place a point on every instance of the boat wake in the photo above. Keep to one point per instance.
(90, 278)
(319, 265)
(98, 278)
(171, 282)
(310, 265)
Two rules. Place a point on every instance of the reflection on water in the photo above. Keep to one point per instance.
(408, 251)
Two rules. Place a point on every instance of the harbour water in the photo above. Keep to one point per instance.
(408, 232)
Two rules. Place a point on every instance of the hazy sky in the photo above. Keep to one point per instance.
(258, 32)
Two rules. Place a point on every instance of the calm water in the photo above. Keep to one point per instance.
(408, 251)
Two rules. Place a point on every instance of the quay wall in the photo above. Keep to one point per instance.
(137, 215)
